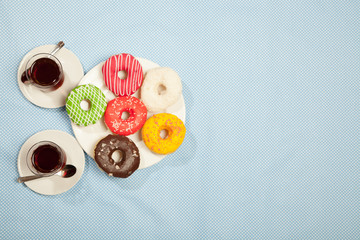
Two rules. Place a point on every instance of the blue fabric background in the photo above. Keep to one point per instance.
(272, 97)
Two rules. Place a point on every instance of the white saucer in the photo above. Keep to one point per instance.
(54, 184)
(73, 72)
(89, 136)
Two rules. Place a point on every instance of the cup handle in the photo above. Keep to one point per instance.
(24, 78)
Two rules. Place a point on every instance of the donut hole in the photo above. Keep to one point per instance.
(164, 133)
(117, 156)
(122, 74)
(161, 89)
(125, 115)
(85, 105)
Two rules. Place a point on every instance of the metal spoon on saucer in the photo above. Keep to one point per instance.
(58, 47)
(66, 172)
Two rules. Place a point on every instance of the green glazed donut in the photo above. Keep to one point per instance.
(97, 108)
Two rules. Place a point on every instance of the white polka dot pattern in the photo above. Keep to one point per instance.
(272, 117)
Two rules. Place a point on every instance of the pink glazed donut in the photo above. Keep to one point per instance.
(122, 62)
(136, 110)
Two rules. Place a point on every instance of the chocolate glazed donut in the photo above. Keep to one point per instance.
(130, 159)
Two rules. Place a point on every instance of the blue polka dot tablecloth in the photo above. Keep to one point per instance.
(272, 115)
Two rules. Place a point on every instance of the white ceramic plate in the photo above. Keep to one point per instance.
(89, 136)
(73, 72)
(54, 184)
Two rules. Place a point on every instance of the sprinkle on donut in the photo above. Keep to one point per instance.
(133, 106)
(151, 133)
(130, 156)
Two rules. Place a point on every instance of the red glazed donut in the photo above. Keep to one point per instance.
(122, 62)
(130, 104)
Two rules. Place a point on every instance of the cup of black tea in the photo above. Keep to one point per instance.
(44, 71)
(46, 158)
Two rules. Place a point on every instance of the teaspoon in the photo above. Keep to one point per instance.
(58, 47)
(66, 172)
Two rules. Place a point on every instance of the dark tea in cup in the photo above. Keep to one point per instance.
(44, 71)
(46, 158)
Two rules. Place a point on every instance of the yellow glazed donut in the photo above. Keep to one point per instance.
(175, 133)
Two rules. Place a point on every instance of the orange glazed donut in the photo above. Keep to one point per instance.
(122, 62)
(163, 121)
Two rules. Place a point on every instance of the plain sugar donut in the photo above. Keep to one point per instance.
(97, 101)
(122, 62)
(161, 88)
